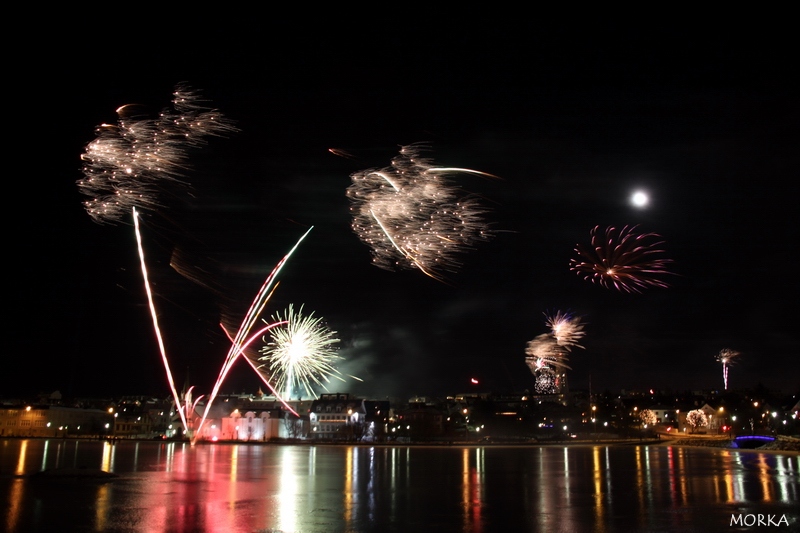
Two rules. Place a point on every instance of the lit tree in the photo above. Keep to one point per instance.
(696, 418)
(648, 417)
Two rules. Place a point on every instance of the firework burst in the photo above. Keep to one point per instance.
(301, 353)
(727, 357)
(127, 163)
(547, 361)
(623, 260)
(547, 355)
(546, 381)
(411, 216)
(544, 351)
(566, 329)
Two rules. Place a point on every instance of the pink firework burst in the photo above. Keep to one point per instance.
(622, 259)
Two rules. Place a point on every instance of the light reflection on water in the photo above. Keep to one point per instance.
(229, 487)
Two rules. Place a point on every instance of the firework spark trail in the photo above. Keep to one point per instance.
(190, 405)
(400, 249)
(411, 216)
(161, 347)
(302, 353)
(726, 356)
(260, 301)
(624, 260)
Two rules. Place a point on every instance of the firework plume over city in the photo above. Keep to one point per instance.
(458, 186)
(547, 354)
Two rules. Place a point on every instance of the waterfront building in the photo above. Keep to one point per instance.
(337, 416)
(54, 421)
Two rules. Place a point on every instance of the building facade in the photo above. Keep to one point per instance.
(337, 416)
(54, 421)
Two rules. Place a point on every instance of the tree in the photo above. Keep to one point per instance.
(293, 425)
(648, 417)
(696, 418)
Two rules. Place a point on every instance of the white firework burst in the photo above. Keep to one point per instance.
(566, 329)
(411, 216)
(301, 353)
(543, 351)
(128, 162)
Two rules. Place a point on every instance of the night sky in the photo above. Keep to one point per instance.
(571, 122)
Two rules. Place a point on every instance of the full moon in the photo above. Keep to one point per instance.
(639, 199)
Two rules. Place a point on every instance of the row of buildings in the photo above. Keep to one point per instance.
(463, 417)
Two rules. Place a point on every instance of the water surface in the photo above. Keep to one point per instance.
(175, 487)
